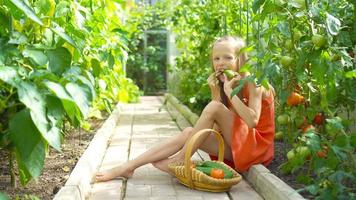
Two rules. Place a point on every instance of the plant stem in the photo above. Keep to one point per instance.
(11, 169)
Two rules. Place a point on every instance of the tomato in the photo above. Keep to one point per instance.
(297, 35)
(289, 45)
(318, 119)
(283, 119)
(321, 153)
(307, 128)
(295, 99)
(286, 61)
(301, 121)
(301, 151)
(278, 135)
(319, 40)
(217, 173)
(229, 74)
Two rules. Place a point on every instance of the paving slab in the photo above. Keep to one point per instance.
(144, 125)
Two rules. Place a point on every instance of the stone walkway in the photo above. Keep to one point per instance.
(140, 127)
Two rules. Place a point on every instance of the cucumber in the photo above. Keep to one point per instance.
(207, 166)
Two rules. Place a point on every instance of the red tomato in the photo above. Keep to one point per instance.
(321, 153)
(217, 173)
(307, 128)
(295, 99)
(318, 119)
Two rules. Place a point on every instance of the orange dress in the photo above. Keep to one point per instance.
(251, 146)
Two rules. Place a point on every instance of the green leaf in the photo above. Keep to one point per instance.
(88, 84)
(9, 76)
(30, 148)
(246, 49)
(37, 56)
(333, 24)
(111, 60)
(351, 74)
(257, 5)
(55, 116)
(60, 31)
(34, 100)
(59, 60)
(68, 103)
(43, 6)
(238, 88)
(79, 96)
(96, 66)
(4, 22)
(27, 10)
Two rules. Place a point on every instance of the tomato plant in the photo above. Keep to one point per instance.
(59, 61)
(305, 49)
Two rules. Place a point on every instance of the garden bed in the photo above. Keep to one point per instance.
(57, 168)
(280, 158)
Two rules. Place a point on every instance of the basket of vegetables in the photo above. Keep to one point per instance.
(213, 176)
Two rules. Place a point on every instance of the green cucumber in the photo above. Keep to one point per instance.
(207, 166)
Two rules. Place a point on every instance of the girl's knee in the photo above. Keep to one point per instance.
(213, 107)
(187, 131)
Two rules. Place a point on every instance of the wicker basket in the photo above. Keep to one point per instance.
(195, 179)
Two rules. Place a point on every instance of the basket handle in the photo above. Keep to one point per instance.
(188, 153)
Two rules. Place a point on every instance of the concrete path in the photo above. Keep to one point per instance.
(140, 127)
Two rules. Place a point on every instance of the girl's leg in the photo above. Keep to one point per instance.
(214, 112)
(159, 152)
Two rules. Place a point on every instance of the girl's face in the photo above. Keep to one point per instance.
(224, 57)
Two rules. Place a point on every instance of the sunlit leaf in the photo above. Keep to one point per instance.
(351, 74)
(27, 10)
(80, 97)
(9, 76)
(34, 100)
(37, 56)
(333, 24)
(68, 103)
(60, 31)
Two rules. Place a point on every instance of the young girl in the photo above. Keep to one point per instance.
(246, 121)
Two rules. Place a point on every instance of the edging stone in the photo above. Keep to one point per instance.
(269, 186)
(78, 185)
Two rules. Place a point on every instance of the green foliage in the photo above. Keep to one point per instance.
(147, 61)
(53, 71)
(300, 46)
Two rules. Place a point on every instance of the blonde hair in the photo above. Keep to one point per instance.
(239, 43)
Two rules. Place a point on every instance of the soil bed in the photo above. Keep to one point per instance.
(279, 158)
(57, 168)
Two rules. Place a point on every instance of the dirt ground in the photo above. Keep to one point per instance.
(57, 169)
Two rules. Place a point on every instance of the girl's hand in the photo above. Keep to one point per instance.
(229, 85)
(213, 81)
(214, 87)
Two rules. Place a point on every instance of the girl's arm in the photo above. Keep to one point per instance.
(251, 113)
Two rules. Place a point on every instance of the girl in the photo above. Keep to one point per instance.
(246, 121)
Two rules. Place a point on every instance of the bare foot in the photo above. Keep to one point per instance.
(120, 171)
(163, 164)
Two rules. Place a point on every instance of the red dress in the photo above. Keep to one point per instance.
(251, 146)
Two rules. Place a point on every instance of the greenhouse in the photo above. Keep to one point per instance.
(164, 99)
